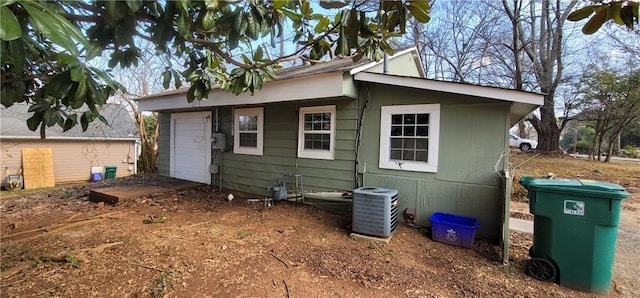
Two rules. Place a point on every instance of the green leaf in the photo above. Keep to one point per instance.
(49, 117)
(322, 25)
(59, 85)
(258, 54)
(79, 95)
(183, 26)
(278, 4)
(67, 59)
(94, 50)
(420, 10)
(55, 27)
(177, 79)
(627, 16)
(85, 119)
(134, 5)
(34, 121)
(253, 27)
(70, 122)
(333, 4)
(104, 120)
(16, 53)
(209, 20)
(596, 21)
(8, 2)
(353, 27)
(581, 13)
(292, 15)
(9, 25)
(39, 107)
(166, 79)
(77, 74)
(12, 93)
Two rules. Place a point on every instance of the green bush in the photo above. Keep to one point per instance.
(631, 152)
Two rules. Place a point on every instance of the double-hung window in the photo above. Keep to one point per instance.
(249, 130)
(409, 137)
(317, 127)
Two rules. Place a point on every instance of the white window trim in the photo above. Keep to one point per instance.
(385, 135)
(236, 128)
(317, 154)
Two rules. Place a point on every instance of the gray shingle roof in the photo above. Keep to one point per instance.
(344, 64)
(13, 123)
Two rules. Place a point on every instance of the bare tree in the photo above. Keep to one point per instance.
(611, 101)
(453, 43)
(142, 80)
(541, 37)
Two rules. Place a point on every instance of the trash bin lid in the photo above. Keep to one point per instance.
(580, 186)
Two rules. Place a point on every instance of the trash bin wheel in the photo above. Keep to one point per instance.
(531, 252)
(542, 269)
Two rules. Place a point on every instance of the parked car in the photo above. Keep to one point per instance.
(525, 145)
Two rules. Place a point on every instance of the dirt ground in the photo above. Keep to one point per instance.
(194, 243)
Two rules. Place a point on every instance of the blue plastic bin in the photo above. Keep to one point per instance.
(95, 177)
(454, 229)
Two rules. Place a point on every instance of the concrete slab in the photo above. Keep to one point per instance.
(115, 194)
(371, 238)
(521, 225)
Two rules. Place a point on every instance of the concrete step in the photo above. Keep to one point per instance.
(521, 225)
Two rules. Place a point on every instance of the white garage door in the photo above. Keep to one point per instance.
(191, 146)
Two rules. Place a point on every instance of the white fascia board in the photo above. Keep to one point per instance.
(308, 87)
(68, 138)
(452, 87)
(374, 63)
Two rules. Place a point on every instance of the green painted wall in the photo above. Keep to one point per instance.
(164, 143)
(472, 140)
(252, 174)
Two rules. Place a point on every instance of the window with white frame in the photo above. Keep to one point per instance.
(409, 137)
(249, 130)
(317, 127)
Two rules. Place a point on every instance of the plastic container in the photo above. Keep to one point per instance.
(575, 230)
(454, 229)
(95, 177)
(110, 172)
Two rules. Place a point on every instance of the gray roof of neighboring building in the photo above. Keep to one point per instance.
(342, 64)
(13, 122)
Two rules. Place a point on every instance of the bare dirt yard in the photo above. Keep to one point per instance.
(194, 243)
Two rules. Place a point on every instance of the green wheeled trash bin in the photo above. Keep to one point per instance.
(574, 231)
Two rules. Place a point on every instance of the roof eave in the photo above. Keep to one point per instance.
(324, 85)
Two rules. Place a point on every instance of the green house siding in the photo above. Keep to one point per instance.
(164, 143)
(252, 174)
(472, 140)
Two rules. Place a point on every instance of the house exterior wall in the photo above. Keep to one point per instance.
(472, 140)
(252, 174)
(72, 159)
(403, 65)
(164, 143)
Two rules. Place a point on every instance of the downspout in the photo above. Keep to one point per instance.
(507, 181)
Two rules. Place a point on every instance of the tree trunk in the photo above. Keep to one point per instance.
(547, 128)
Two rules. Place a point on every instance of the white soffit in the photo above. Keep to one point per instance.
(309, 87)
(452, 87)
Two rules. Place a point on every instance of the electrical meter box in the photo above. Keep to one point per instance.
(218, 140)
